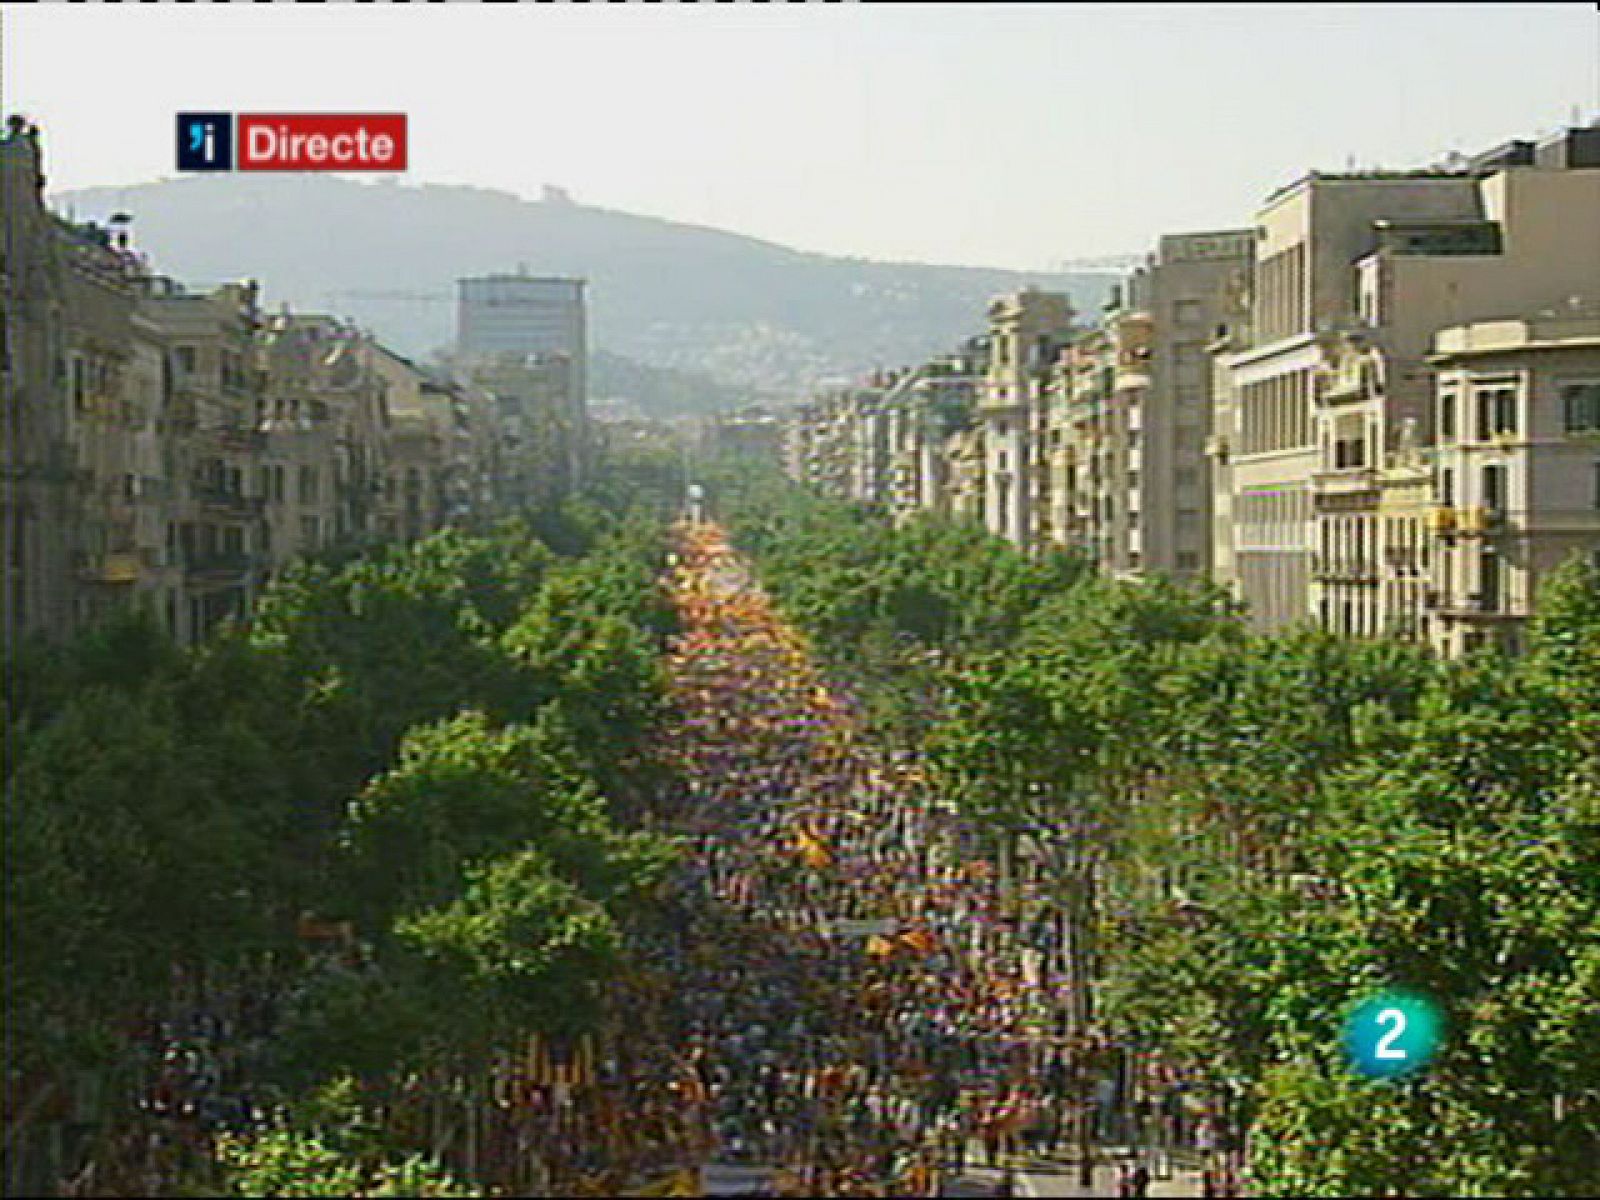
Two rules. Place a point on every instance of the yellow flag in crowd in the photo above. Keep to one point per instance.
(919, 941)
(813, 850)
(684, 1182)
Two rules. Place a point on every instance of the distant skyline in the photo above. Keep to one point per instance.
(999, 135)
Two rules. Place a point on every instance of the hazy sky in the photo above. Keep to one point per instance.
(993, 134)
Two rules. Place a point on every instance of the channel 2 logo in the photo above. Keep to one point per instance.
(292, 142)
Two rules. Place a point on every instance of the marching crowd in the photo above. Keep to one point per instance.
(855, 1004)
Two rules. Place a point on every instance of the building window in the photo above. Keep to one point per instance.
(1447, 416)
(1488, 580)
(1447, 487)
(308, 485)
(1580, 403)
(80, 386)
(1349, 453)
(308, 533)
(1494, 488)
(1497, 412)
(187, 361)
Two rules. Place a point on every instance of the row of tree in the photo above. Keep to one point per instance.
(1256, 832)
(442, 744)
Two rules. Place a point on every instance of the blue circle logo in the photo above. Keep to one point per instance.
(1392, 1034)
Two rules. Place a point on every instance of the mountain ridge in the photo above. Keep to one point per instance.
(749, 314)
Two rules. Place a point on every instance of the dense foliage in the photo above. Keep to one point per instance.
(328, 1146)
(888, 606)
(441, 743)
(1259, 831)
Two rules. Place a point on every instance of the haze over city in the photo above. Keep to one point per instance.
(994, 135)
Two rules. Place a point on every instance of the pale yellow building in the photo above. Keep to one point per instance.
(1354, 273)
(1191, 286)
(1027, 331)
(1518, 469)
(1136, 402)
(1092, 507)
(215, 412)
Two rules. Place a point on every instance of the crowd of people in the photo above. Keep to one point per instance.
(192, 1065)
(856, 998)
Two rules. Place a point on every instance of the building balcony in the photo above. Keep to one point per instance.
(113, 567)
(1327, 569)
(1345, 481)
(1441, 520)
(230, 503)
(219, 568)
(1344, 387)
(1473, 520)
(1474, 607)
(1477, 519)
(1403, 560)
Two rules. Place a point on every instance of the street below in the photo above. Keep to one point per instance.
(860, 1003)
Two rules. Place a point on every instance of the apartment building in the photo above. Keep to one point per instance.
(1258, 405)
(525, 315)
(1354, 273)
(1518, 469)
(1192, 285)
(1230, 338)
(926, 406)
(869, 457)
(1131, 411)
(824, 442)
(326, 424)
(1309, 236)
(909, 436)
(217, 526)
(541, 324)
(966, 488)
(1405, 507)
(71, 467)
(424, 449)
(1087, 515)
(171, 447)
(1027, 331)
(542, 439)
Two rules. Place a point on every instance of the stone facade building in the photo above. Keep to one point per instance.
(1260, 406)
(1518, 460)
(1354, 275)
(69, 447)
(1027, 331)
(171, 448)
(1191, 286)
